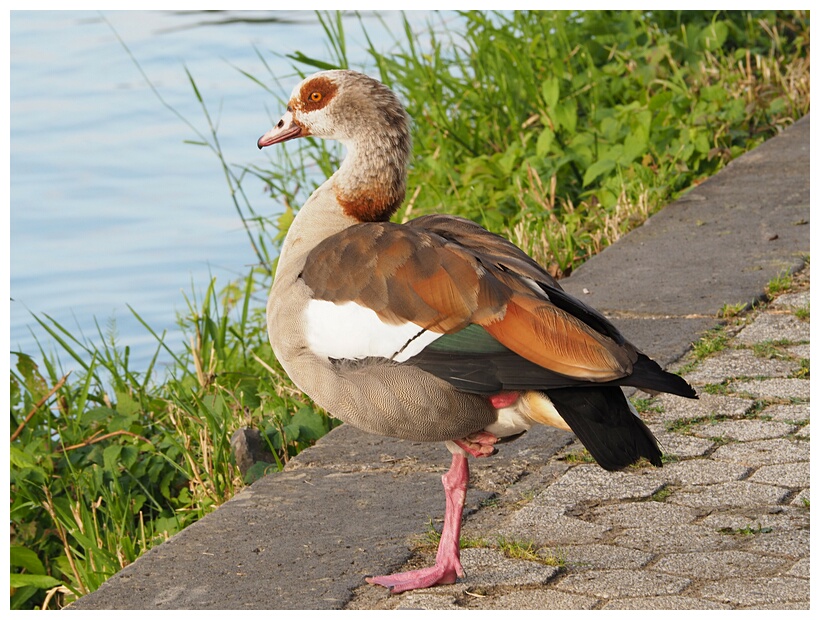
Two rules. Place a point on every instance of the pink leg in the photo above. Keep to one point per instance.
(448, 564)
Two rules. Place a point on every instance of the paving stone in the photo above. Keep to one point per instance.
(649, 515)
(774, 518)
(698, 472)
(760, 591)
(785, 475)
(675, 408)
(798, 412)
(805, 432)
(621, 583)
(732, 363)
(583, 557)
(591, 482)
(674, 539)
(774, 327)
(773, 388)
(801, 568)
(799, 299)
(743, 430)
(792, 543)
(424, 601)
(718, 564)
(740, 493)
(784, 606)
(765, 452)
(664, 602)
(489, 567)
(548, 525)
(680, 446)
(802, 499)
(536, 599)
(799, 351)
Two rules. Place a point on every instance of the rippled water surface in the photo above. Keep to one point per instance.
(109, 206)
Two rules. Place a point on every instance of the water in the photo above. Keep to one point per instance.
(109, 206)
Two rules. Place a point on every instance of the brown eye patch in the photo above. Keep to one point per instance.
(316, 93)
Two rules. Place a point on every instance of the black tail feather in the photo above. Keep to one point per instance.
(603, 421)
(647, 374)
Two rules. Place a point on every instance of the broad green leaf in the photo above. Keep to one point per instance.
(26, 558)
(550, 89)
(43, 582)
(600, 167)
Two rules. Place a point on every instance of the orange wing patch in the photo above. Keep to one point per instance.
(553, 339)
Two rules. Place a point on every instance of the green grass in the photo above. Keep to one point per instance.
(711, 342)
(561, 130)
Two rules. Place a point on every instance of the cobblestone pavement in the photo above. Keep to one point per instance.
(723, 525)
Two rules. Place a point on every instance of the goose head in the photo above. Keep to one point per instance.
(368, 118)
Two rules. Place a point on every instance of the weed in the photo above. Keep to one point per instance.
(803, 371)
(729, 311)
(803, 313)
(518, 550)
(661, 495)
(711, 342)
(779, 284)
(646, 405)
(771, 349)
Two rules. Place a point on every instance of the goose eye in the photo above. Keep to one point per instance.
(315, 97)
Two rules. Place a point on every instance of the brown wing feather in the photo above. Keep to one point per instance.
(549, 337)
(455, 274)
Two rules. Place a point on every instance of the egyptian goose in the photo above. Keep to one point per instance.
(435, 330)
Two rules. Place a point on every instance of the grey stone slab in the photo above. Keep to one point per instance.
(534, 599)
(801, 568)
(674, 539)
(740, 493)
(799, 351)
(764, 452)
(791, 543)
(742, 430)
(423, 600)
(785, 475)
(698, 472)
(548, 525)
(649, 515)
(805, 432)
(787, 413)
(755, 225)
(674, 408)
(489, 567)
(593, 556)
(744, 592)
(773, 327)
(800, 299)
(664, 602)
(755, 521)
(784, 606)
(622, 583)
(719, 564)
(732, 363)
(802, 499)
(590, 482)
(680, 446)
(773, 388)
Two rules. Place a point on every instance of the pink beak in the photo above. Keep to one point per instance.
(286, 129)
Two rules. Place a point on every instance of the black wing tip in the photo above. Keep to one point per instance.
(647, 374)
